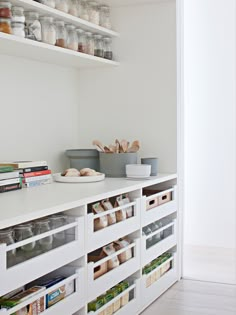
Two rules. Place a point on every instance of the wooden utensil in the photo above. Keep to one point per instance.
(117, 146)
(99, 145)
(135, 146)
(124, 145)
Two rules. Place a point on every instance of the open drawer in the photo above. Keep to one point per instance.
(170, 239)
(68, 305)
(97, 286)
(33, 267)
(158, 205)
(160, 283)
(101, 237)
(128, 301)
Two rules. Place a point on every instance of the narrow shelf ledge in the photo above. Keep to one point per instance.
(67, 18)
(22, 47)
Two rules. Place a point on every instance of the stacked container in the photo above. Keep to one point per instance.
(5, 17)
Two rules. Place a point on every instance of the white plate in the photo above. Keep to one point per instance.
(80, 179)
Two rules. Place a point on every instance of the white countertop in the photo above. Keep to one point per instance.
(31, 203)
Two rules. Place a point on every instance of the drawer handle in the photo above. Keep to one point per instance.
(164, 197)
(151, 202)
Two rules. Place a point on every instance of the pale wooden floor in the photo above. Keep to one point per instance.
(195, 298)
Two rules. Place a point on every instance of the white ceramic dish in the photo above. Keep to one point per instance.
(138, 170)
(80, 179)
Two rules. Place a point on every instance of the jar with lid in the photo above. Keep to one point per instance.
(17, 15)
(98, 46)
(5, 9)
(6, 236)
(60, 34)
(62, 5)
(40, 227)
(93, 12)
(18, 29)
(22, 232)
(107, 48)
(49, 3)
(105, 19)
(48, 30)
(32, 26)
(56, 221)
(72, 40)
(5, 26)
(83, 11)
(74, 7)
(147, 231)
(89, 43)
(81, 40)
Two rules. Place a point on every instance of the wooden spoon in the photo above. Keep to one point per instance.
(117, 146)
(135, 146)
(124, 145)
(107, 150)
(112, 148)
(99, 145)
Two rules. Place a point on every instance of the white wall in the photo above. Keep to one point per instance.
(137, 100)
(210, 134)
(39, 111)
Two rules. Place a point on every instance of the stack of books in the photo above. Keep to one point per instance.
(9, 179)
(32, 173)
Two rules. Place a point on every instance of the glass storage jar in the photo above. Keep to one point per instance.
(60, 34)
(5, 9)
(17, 15)
(18, 29)
(107, 48)
(83, 14)
(105, 19)
(49, 3)
(72, 40)
(89, 43)
(81, 40)
(62, 5)
(6, 236)
(147, 231)
(22, 232)
(42, 226)
(74, 7)
(32, 26)
(48, 30)
(93, 12)
(5, 25)
(98, 46)
(56, 221)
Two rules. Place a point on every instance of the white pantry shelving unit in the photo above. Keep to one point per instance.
(72, 257)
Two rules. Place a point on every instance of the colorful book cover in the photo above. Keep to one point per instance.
(32, 169)
(10, 187)
(37, 173)
(36, 178)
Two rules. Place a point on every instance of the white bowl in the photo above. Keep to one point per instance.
(138, 170)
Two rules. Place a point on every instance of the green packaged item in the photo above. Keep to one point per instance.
(5, 169)
(96, 304)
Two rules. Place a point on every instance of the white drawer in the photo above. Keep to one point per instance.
(69, 305)
(130, 308)
(108, 280)
(160, 211)
(156, 250)
(151, 293)
(38, 266)
(97, 239)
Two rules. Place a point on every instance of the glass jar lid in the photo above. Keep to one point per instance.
(70, 26)
(59, 23)
(5, 20)
(79, 30)
(18, 24)
(23, 226)
(98, 36)
(5, 231)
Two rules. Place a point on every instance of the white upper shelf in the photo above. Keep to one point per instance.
(42, 9)
(21, 47)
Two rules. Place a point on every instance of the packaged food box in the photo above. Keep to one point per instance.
(116, 305)
(107, 298)
(60, 293)
(96, 304)
(125, 298)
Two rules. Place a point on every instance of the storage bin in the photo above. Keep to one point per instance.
(83, 158)
(113, 164)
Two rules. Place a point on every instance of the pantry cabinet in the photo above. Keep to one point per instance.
(72, 258)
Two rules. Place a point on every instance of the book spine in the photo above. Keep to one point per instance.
(9, 175)
(33, 169)
(10, 187)
(36, 178)
(37, 173)
(29, 164)
(10, 181)
(37, 183)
